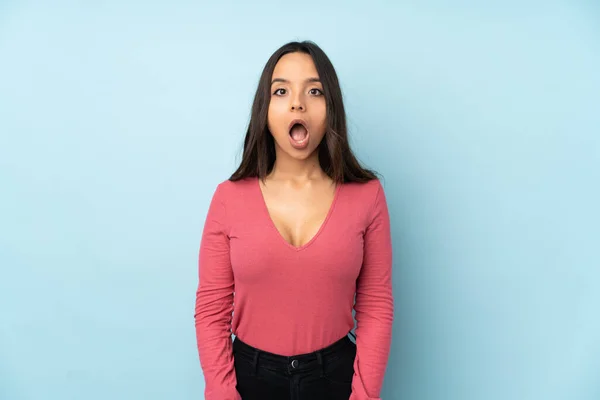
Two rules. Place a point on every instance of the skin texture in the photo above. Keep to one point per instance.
(298, 194)
(297, 99)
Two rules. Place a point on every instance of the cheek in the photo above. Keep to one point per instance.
(277, 106)
(320, 110)
(322, 117)
(275, 117)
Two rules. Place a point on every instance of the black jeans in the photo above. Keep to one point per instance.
(323, 375)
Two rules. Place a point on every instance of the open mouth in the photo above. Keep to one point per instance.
(298, 131)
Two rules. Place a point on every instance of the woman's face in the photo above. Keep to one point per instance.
(296, 96)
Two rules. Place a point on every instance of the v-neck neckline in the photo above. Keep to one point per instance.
(265, 209)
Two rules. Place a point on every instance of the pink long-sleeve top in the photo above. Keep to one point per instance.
(294, 300)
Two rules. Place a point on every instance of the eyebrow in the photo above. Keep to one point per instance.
(308, 80)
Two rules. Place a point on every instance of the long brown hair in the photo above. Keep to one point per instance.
(335, 156)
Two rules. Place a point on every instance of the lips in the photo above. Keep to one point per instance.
(299, 134)
(298, 121)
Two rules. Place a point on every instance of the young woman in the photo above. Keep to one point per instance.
(301, 234)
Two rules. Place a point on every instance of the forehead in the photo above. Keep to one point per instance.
(295, 66)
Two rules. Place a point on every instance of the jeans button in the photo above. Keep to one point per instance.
(294, 363)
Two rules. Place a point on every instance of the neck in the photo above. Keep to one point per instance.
(291, 169)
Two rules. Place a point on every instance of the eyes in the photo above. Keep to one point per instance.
(312, 92)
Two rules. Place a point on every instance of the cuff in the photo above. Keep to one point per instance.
(228, 394)
(354, 396)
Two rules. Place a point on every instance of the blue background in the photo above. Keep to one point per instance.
(118, 119)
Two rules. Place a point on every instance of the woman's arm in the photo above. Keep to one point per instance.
(374, 304)
(214, 304)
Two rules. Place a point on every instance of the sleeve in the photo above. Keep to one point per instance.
(374, 305)
(214, 305)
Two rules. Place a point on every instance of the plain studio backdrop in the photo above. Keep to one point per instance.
(118, 119)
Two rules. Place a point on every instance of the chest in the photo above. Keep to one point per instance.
(298, 216)
(260, 254)
(292, 240)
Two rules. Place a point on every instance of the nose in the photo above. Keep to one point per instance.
(297, 103)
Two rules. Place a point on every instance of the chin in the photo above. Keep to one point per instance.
(291, 152)
(300, 155)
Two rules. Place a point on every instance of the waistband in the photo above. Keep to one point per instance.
(297, 363)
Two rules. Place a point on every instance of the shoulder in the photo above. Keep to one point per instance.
(230, 189)
(234, 194)
(365, 200)
(365, 193)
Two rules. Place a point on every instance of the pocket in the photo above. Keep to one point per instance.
(341, 370)
(243, 365)
(258, 384)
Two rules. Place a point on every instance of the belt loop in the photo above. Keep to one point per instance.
(255, 362)
(320, 361)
